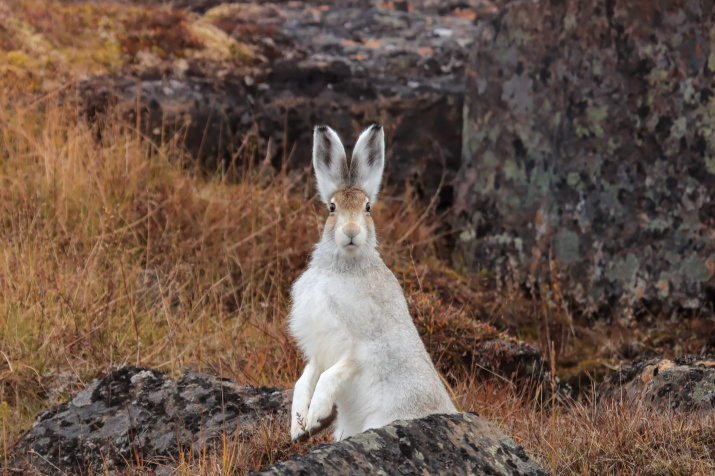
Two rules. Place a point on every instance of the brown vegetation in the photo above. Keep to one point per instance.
(113, 254)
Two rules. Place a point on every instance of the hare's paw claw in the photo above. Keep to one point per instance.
(298, 435)
(320, 420)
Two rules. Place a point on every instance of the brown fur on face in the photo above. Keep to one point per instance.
(350, 201)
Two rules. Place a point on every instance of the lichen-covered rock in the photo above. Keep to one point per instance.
(458, 444)
(428, 6)
(142, 414)
(510, 358)
(143, 417)
(343, 64)
(589, 153)
(686, 383)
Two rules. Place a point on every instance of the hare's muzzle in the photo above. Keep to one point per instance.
(351, 229)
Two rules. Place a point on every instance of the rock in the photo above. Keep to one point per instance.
(587, 166)
(686, 383)
(510, 358)
(142, 417)
(344, 64)
(143, 414)
(439, 444)
(203, 116)
(478, 7)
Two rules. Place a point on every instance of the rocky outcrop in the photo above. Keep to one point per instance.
(437, 445)
(510, 358)
(686, 383)
(142, 416)
(480, 7)
(347, 64)
(588, 150)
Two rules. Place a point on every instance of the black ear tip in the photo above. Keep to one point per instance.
(321, 128)
(376, 127)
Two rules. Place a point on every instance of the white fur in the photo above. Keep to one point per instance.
(329, 162)
(368, 160)
(353, 326)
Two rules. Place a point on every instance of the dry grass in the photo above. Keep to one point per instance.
(112, 254)
(609, 438)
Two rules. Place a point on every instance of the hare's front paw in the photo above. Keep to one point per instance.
(321, 415)
(299, 419)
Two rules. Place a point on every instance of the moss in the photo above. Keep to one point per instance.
(513, 172)
(217, 45)
(17, 58)
(59, 42)
(585, 371)
(596, 115)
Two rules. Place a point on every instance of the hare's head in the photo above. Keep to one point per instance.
(349, 190)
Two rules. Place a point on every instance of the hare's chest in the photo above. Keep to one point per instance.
(323, 318)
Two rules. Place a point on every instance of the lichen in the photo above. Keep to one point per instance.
(604, 136)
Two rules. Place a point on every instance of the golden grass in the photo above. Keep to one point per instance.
(112, 254)
(608, 438)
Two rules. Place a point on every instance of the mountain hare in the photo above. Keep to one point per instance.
(366, 363)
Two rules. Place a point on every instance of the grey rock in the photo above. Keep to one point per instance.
(685, 384)
(424, 6)
(142, 417)
(458, 444)
(587, 164)
(142, 414)
(348, 65)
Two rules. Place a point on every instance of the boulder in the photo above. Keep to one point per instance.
(482, 7)
(458, 444)
(686, 383)
(588, 159)
(143, 416)
(344, 64)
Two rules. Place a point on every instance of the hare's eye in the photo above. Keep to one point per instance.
(332, 208)
(367, 207)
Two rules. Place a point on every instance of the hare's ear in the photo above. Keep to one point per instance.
(329, 161)
(368, 161)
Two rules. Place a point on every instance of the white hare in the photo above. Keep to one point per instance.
(366, 364)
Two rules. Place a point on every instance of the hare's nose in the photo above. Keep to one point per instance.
(351, 229)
